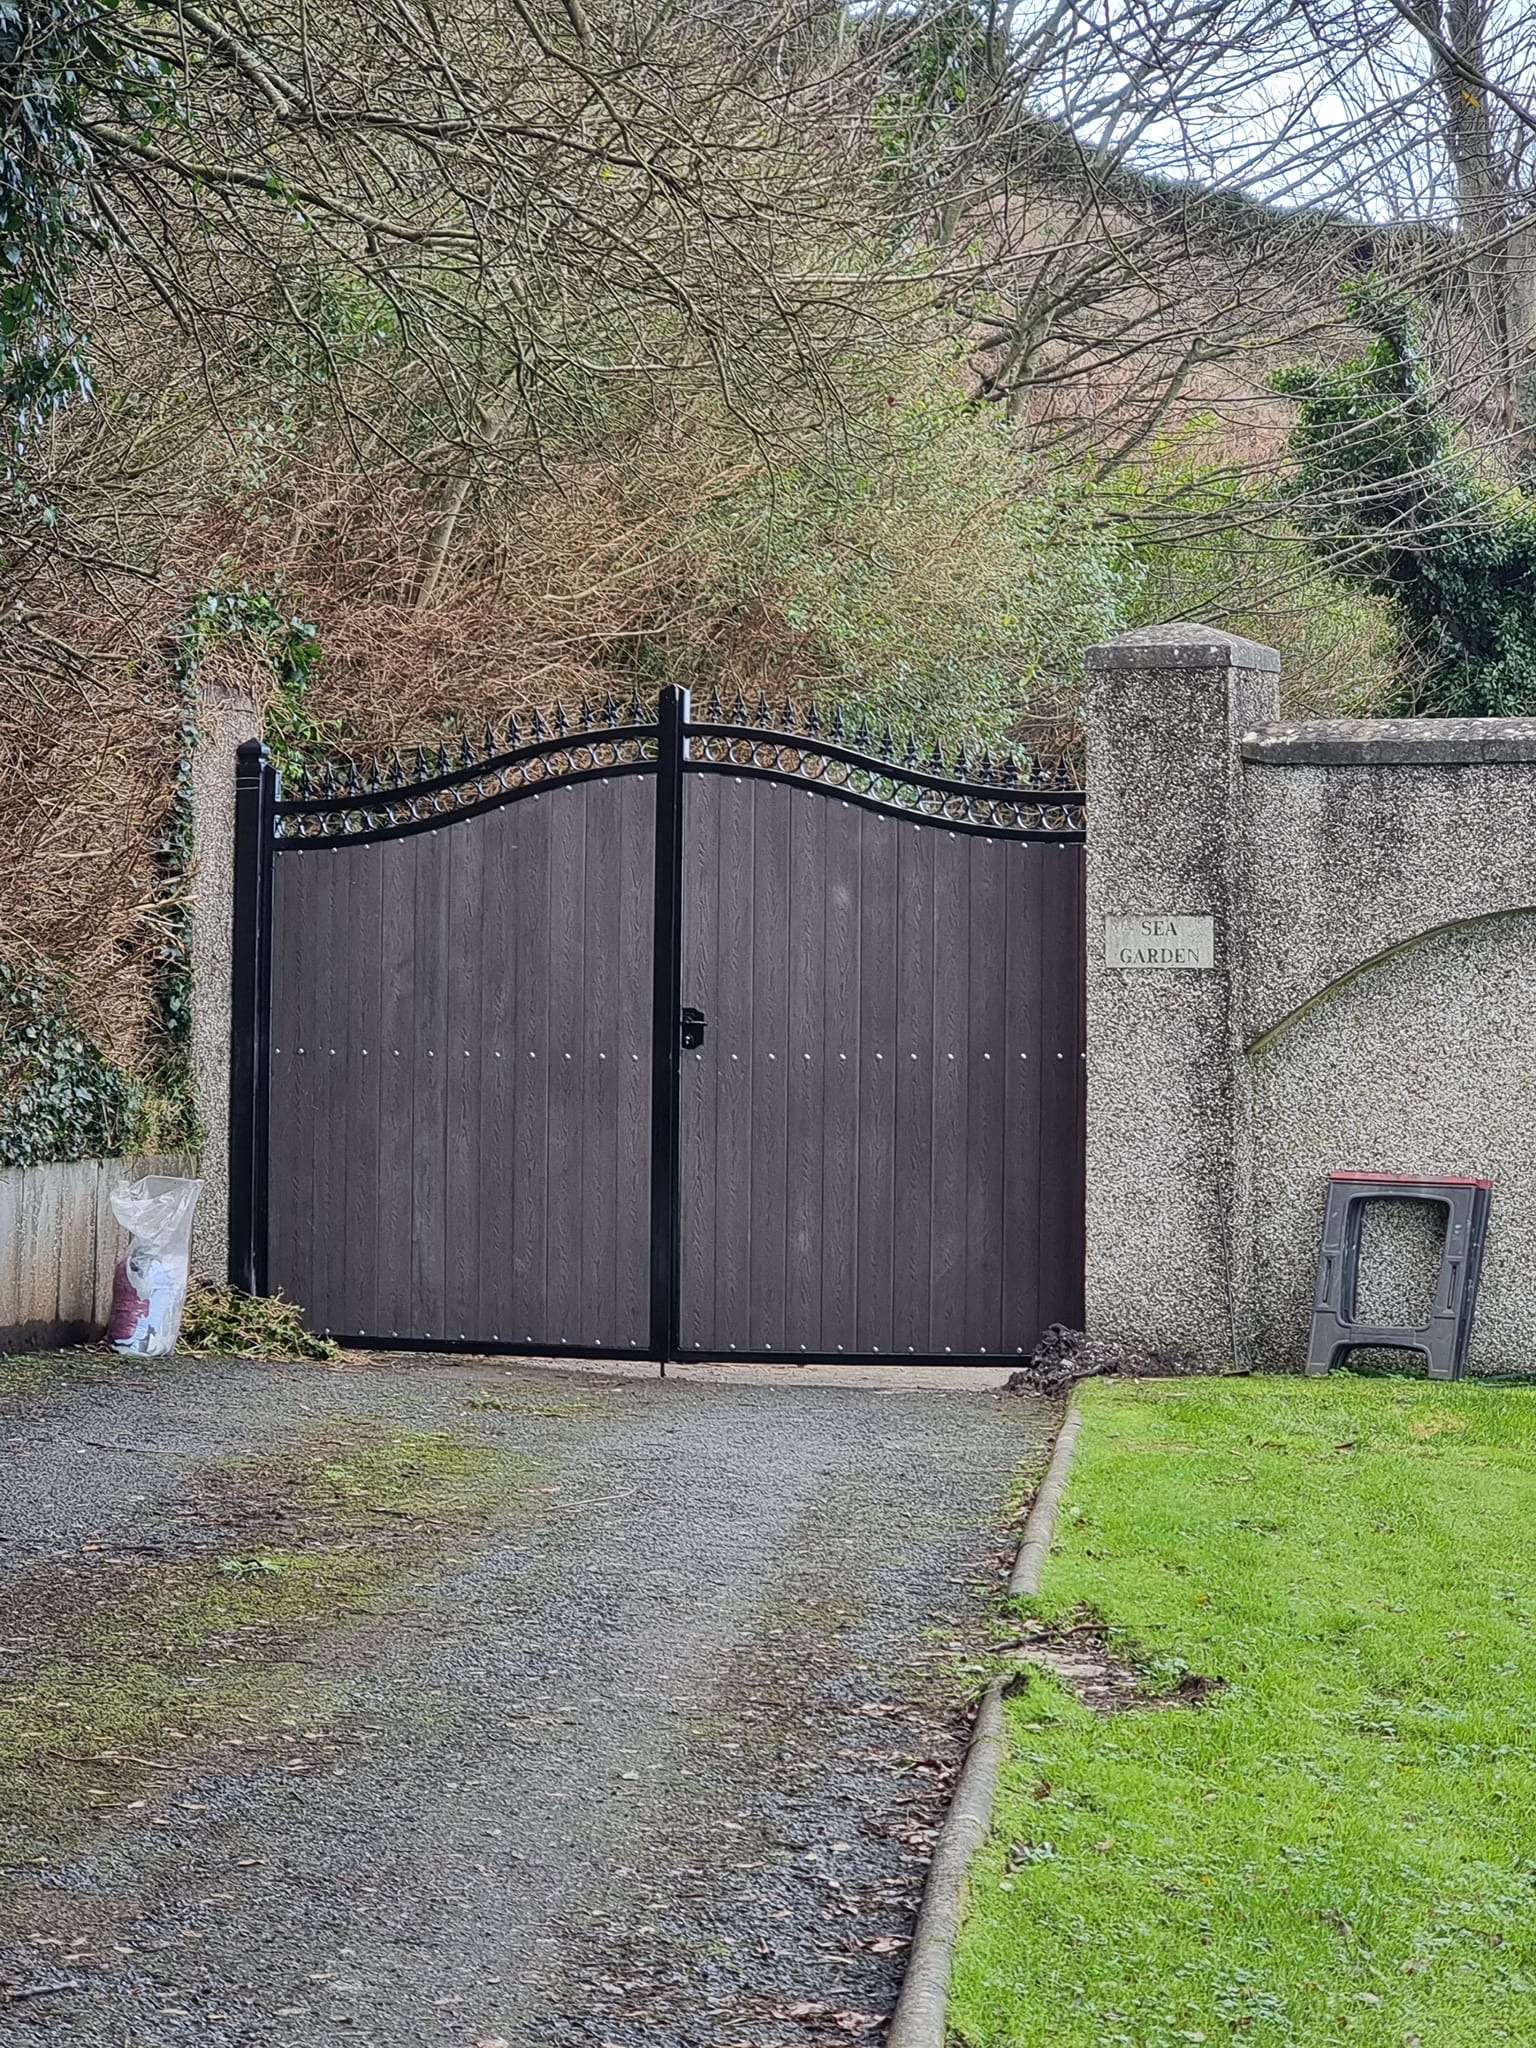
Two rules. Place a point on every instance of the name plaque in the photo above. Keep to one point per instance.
(1160, 940)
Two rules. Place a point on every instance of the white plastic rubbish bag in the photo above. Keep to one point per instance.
(149, 1288)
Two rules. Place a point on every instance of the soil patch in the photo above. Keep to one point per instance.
(1079, 1655)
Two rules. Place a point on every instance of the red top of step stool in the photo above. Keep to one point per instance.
(1421, 1180)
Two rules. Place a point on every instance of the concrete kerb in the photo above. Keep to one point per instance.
(921, 2016)
(1040, 1523)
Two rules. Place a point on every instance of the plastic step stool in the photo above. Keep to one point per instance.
(1443, 1339)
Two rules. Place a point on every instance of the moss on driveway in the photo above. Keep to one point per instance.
(117, 1669)
(1340, 1845)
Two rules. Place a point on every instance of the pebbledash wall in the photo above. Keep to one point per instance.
(1354, 907)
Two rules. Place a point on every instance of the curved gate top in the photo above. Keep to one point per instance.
(662, 1037)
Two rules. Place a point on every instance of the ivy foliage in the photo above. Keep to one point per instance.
(292, 647)
(1393, 506)
(61, 1098)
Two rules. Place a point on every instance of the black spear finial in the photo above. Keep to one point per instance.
(562, 727)
(716, 710)
(537, 728)
(610, 711)
(787, 722)
(514, 732)
(763, 713)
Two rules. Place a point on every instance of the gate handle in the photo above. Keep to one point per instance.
(693, 1029)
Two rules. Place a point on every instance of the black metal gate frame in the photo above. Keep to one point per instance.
(351, 805)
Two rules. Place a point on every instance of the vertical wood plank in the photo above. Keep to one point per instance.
(702, 827)
(501, 967)
(357, 1312)
(632, 1112)
(12, 1183)
(1022, 1321)
(986, 1095)
(330, 959)
(842, 879)
(77, 1250)
(599, 1043)
(105, 1175)
(397, 1084)
(880, 845)
(429, 1094)
(769, 1054)
(470, 958)
(728, 1049)
(1061, 1084)
(567, 981)
(911, 1318)
(530, 1174)
(951, 999)
(803, 1082)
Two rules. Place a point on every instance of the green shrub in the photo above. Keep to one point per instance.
(1219, 549)
(932, 575)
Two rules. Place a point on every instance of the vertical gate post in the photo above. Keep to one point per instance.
(666, 1022)
(1168, 1230)
(256, 788)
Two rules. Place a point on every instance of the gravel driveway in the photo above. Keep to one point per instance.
(650, 1756)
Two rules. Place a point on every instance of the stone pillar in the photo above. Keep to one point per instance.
(227, 715)
(1168, 1229)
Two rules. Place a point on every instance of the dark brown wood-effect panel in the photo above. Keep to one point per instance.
(882, 1133)
(461, 1076)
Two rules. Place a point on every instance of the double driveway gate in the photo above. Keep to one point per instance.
(664, 1039)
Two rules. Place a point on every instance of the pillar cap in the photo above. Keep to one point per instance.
(1183, 646)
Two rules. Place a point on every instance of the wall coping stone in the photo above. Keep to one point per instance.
(1183, 646)
(1390, 742)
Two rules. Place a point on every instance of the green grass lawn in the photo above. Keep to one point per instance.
(1341, 1845)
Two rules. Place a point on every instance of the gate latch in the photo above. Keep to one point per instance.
(693, 1029)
